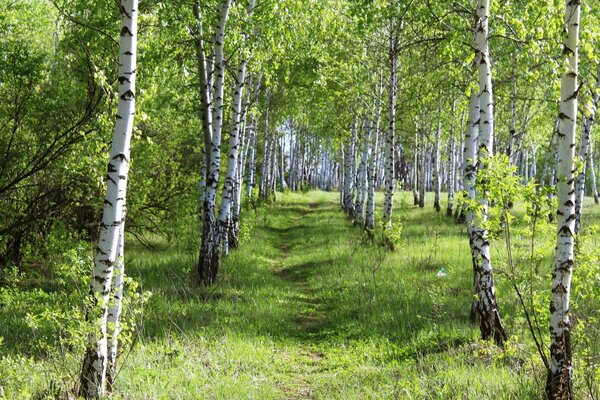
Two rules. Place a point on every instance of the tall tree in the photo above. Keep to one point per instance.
(487, 309)
(389, 141)
(93, 373)
(559, 382)
(208, 260)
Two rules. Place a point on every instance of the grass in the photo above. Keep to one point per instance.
(308, 308)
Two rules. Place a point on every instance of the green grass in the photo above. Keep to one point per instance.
(309, 308)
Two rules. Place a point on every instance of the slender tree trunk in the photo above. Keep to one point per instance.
(229, 213)
(93, 372)
(264, 175)
(251, 159)
(584, 146)
(390, 179)
(489, 317)
(559, 383)
(208, 260)
(451, 181)
(470, 176)
(361, 197)
(415, 170)
(205, 105)
(437, 181)
(225, 228)
(593, 172)
(114, 311)
(545, 179)
(349, 177)
(371, 173)
(422, 167)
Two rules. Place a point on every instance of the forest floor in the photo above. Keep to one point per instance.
(309, 308)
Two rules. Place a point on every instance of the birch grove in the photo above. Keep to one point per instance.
(292, 162)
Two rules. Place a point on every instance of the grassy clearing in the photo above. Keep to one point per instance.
(308, 308)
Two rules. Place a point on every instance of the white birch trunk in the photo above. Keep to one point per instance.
(205, 105)
(349, 178)
(93, 373)
(251, 159)
(437, 182)
(371, 173)
(470, 175)
(584, 147)
(208, 260)
(361, 196)
(593, 172)
(232, 162)
(228, 220)
(558, 385)
(390, 178)
(115, 310)
(489, 317)
(422, 178)
(451, 181)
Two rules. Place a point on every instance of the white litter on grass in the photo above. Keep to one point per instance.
(442, 273)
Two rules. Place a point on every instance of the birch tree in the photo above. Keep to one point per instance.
(559, 382)
(585, 154)
(487, 309)
(208, 260)
(93, 372)
(389, 142)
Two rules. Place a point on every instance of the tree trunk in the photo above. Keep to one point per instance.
(251, 159)
(422, 167)
(390, 180)
(93, 372)
(593, 172)
(114, 312)
(361, 195)
(371, 173)
(208, 260)
(415, 170)
(437, 182)
(586, 140)
(489, 317)
(470, 175)
(559, 382)
(451, 181)
(225, 227)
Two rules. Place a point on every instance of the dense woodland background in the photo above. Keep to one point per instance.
(367, 105)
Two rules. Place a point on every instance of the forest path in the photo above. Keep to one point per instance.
(308, 308)
(293, 233)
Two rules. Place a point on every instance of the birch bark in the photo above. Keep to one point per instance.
(93, 372)
(208, 260)
(558, 384)
(584, 146)
(361, 196)
(470, 175)
(390, 178)
(489, 317)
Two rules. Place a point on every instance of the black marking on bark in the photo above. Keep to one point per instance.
(565, 230)
(128, 95)
(125, 31)
(120, 157)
